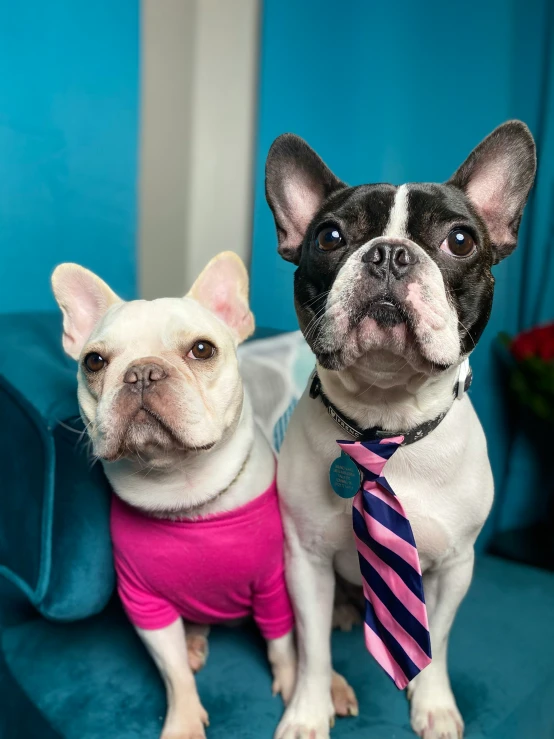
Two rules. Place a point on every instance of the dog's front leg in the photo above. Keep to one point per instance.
(282, 658)
(186, 717)
(311, 584)
(434, 713)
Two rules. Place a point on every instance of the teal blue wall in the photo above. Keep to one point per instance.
(395, 92)
(68, 143)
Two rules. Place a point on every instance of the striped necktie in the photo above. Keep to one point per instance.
(395, 622)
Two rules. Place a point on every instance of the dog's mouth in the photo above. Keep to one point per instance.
(147, 435)
(145, 417)
(382, 323)
(386, 311)
(146, 422)
(413, 319)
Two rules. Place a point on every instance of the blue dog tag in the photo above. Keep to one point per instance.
(345, 477)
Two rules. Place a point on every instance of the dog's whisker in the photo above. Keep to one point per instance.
(70, 428)
(315, 323)
(468, 333)
(317, 314)
(317, 297)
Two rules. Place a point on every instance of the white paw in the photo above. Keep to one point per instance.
(437, 721)
(189, 732)
(344, 699)
(284, 679)
(189, 726)
(306, 718)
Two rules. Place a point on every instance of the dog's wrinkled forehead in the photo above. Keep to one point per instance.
(217, 302)
(490, 187)
(419, 212)
(142, 327)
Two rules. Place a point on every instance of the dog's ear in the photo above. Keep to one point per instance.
(297, 182)
(497, 177)
(222, 288)
(83, 298)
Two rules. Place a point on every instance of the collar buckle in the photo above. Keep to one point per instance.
(464, 379)
(315, 385)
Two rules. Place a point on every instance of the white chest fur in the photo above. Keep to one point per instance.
(444, 483)
(221, 479)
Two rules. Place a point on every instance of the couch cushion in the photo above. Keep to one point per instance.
(94, 679)
(54, 507)
(275, 372)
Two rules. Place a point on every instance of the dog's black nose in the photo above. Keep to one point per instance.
(384, 259)
(142, 376)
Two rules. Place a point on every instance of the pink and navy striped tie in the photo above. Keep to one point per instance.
(395, 621)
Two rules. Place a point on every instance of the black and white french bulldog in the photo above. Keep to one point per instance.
(393, 290)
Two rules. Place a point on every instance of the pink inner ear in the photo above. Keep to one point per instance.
(232, 310)
(83, 298)
(302, 204)
(223, 307)
(78, 324)
(492, 193)
(238, 320)
(219, 290)
(494, 208)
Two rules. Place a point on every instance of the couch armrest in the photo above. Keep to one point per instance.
(54, 512)
(19, 717)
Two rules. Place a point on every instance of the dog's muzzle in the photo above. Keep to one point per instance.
(144, 376)
(389, 259)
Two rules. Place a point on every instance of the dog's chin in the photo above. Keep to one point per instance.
(384, 327)
(146, 439)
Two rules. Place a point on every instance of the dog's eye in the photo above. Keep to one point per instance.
(94, 362)
(201, 350)
(329, 238)
(459, 243)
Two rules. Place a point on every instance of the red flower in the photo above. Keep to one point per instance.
(537, 342)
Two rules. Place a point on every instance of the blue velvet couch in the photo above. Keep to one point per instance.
(72, 667)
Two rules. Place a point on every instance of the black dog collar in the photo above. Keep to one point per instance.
(352, 428)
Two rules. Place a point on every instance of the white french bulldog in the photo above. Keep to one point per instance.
(393, 290)
(163, 402)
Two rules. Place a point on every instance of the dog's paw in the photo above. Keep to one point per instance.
(306, 718)
(302, 729)
(437, 722)
(345, 616)
(190, 726)
(197, 650)
(284, 679)
(192, 732)
(344, 699)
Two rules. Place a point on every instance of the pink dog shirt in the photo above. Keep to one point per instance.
(210, 570)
